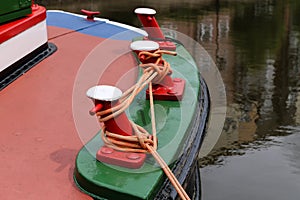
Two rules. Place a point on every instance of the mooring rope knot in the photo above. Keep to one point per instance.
(136, 143)
(157, 64)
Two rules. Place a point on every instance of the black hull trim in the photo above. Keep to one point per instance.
(186, 169)
(20, 67)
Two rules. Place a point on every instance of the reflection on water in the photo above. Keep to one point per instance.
(256, 46)
(259, 61)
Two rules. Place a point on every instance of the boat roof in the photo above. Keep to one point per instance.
(39, 138)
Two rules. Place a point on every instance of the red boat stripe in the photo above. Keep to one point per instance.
(9, 30)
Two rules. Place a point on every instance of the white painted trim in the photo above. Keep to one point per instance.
(74, 14)
(22, 44)
(104, 93)
(145, 11)
(144, 45)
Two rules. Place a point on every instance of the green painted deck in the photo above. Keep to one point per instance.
(173, 120)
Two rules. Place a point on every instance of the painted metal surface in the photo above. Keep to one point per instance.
(102, 28)
(106, 181)
(171, 92)
(167, 89)
(106, 97)
(90, 14)
(144, 45)
(13, 28)
(118, 158)
(13, 9)
(147, 18)
(38, 139)
(22, 44)
(20, 37)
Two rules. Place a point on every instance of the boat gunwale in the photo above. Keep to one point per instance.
(199, 126)
(187, 160)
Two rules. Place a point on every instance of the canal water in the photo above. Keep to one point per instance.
(256, 47)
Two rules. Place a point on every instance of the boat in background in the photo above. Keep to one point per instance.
(47, 65)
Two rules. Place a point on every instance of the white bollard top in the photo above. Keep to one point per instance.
(144, 45)
(145, 11)
(104, 93)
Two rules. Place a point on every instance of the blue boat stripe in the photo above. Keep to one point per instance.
(94, 28)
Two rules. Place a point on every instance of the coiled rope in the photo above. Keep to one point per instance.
(141, 141)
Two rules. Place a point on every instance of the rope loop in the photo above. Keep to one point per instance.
(136, 143)
(157, 64)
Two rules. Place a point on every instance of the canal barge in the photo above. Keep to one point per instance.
(52, 64)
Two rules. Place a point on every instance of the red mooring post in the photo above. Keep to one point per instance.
(147, 18)
(90, 14)
(106, 97)
(168, 89)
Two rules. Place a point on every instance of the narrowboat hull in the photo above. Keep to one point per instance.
(45, 121)
(181, 130)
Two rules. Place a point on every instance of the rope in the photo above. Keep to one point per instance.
(142, 141)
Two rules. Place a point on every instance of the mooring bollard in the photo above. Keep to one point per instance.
(106, 97)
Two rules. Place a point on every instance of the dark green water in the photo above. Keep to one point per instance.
(256, 46)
